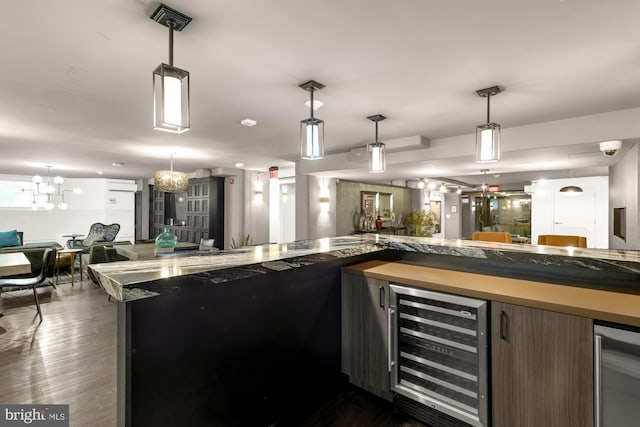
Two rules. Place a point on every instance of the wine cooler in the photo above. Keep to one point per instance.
(438, 356)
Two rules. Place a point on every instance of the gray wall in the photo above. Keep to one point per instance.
(452, 220)
(623, 193)
(348, 203)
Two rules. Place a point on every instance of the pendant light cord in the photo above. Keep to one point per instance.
(376, 131)
(488, 108)
(171, 25)
(311, 107)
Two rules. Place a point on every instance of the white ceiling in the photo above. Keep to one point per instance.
(75, 81)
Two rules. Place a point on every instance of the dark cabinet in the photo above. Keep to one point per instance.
(365, 338)
(198, 213)
(542, 368)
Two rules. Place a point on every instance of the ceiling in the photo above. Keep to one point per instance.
(75, 82)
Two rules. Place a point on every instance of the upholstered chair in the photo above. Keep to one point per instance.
(98, 232)
(492, 236)
(562, 240)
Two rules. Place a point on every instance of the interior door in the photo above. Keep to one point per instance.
(575, 214)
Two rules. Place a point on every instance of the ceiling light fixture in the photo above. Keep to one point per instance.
(484, 181)
(46, 190)
(420, 184)
(311, 129)
(571, 189)
(488, 134)
(248, 122)
(170, 84)
(170, 181)
(459, 190)
(443, 188)
(377, 158)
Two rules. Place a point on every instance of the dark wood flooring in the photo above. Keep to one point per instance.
(70, 358)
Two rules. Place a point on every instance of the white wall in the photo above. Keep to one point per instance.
(102, 200)
(546, 202)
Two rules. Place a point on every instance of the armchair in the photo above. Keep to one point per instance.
(98, 232)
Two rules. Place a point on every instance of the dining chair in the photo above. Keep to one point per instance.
(30, 282)
(492, 236)
(562, 240)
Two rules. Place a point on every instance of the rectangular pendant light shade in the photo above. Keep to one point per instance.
(312, 139)
(170, 99)
(377, 161)
(488, 142)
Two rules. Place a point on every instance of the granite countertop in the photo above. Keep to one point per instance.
(119, 279)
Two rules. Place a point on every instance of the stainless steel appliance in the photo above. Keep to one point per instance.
(438, 356)
(617, 376)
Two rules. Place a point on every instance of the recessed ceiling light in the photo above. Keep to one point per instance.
(248, 122)
(117, 164)
(239, 165)
(317, 104)
(99, 172)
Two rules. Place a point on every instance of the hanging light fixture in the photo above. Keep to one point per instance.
(377, 159)
(170, 181)
(43, 191)
(488, 134)
(571, 190)
(311, 129)
(170, 84)
(443, 188)
(459, 190)
(484, 181)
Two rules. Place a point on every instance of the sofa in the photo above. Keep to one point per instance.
(12, 241)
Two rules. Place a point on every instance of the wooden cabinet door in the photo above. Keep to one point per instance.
(365, 347)
(542, 368)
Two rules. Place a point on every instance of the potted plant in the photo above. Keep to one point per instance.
(420, 222)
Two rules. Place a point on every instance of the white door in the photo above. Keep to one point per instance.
(574, 214)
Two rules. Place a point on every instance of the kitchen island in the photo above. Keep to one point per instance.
(252, 337)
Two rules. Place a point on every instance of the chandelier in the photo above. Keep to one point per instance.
(44, 191)
(170, 181)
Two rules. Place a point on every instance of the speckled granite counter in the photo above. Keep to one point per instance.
(121, 279)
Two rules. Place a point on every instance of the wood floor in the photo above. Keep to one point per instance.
(70, 358)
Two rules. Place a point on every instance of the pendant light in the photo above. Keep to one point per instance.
(170, 84)
(311, 129)
(170, 181)
(488, 134)
(571, 190)
(377, 158)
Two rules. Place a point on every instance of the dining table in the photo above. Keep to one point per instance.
(14, 263)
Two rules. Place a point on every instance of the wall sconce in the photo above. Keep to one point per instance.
(259, 187)
(324, 204)
(170, 84)
(488, 134)
(377, 159)
(311, 129)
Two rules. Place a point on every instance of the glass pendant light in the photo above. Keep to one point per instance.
(170, 181)
(377, 159)
(170, 84)
(311, 129)
(488, 134)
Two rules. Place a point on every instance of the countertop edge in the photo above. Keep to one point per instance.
(592, 303)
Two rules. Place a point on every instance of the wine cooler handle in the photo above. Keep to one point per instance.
(389, 336)
(597, 374)
(503, 325)
(382, 297)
